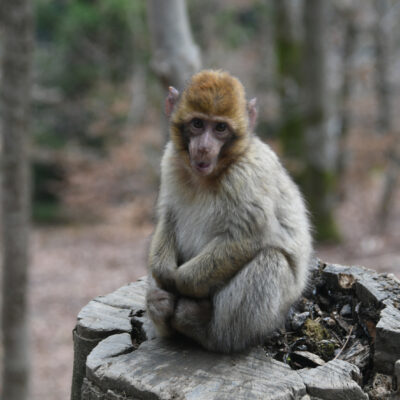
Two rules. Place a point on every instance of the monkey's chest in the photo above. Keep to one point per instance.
(196, 226)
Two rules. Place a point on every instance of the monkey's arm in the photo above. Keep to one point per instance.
(162, 255)
(216, 264)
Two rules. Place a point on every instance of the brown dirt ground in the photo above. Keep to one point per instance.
(70, 267)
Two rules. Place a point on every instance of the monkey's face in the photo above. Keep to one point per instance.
(206, 137)
(211, 122)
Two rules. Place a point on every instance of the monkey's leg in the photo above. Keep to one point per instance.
(253, 304)
(192, 318)
(160, 306)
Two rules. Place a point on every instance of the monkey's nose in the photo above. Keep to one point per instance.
(204, 150)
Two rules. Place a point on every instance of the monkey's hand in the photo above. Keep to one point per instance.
(214, 266)
(165, 276)
(188, 283)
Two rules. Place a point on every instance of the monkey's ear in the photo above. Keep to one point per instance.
(253, 112)
(171, 100)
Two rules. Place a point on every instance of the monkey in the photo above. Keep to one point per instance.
(232, 246)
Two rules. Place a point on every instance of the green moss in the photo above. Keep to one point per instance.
(315, 331)
(326, 349)
(319, 339)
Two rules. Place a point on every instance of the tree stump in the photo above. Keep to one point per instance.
(114, 360)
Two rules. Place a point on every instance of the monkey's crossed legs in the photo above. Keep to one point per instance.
(238, 315)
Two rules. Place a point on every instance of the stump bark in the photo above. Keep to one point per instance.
(114, 360)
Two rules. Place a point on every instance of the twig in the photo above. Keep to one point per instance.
(337, 338)
(345, 344)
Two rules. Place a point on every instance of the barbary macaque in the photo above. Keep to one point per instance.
(232, 246)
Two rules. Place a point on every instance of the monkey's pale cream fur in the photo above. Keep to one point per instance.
(230, 254)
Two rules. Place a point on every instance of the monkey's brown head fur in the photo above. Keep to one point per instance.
(213, 94)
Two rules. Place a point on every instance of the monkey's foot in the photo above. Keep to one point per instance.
(160, 307)
(192, 317)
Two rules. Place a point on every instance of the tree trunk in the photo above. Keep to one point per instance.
(137, 112)
(382, 60)
(288, 60)
(390, 185)
(348, 15)
(320, 141)
(17, 44)
(175, 55)
(383, 47)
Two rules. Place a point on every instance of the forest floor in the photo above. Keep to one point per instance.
(71, 266)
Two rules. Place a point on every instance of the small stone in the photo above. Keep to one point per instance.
(330, 321)
(325, 301)
(380, 387)
(346, 311)
(346, 281)
(302, 347)
(299, 320)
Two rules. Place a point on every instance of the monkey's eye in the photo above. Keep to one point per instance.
(197, 123)
(221, 127)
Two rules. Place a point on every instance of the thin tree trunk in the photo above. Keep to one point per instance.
(265, 73)
(382, 64)
(137, 113)
(383, 46)
(175, 55)
(321, 144)
(288, 59)
(17, 44)
(390, 185)
(350, 37)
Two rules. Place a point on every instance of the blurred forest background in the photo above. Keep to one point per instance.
(327, 78)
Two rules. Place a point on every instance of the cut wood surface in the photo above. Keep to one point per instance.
(113, 359)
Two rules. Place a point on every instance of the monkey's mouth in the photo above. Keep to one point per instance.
(203, 167)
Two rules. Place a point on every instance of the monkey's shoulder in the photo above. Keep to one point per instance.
(258, 173)
(260, 182)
